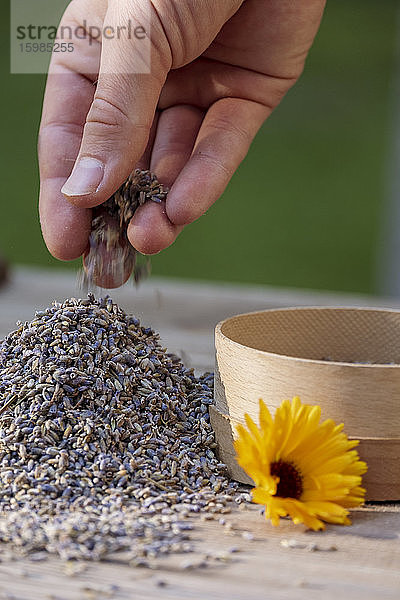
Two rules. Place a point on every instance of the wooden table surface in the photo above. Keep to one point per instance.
(360, 562)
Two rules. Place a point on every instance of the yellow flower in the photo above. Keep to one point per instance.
(301, 467)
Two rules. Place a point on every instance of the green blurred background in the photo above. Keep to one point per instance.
(304, 209)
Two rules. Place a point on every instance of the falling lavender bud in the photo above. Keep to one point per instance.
(111, 258)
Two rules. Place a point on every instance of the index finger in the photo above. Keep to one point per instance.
(65, 227)
(68, 97)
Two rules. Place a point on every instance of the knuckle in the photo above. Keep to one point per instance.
(231, 131)
(55, 157)
(212, 160)
(104, 112)
(51, 131)
(169, 148)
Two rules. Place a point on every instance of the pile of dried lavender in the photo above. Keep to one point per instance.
(105, 441)
(110, 254)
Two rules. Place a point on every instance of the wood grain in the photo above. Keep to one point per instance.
(366, 564)
(278, 354)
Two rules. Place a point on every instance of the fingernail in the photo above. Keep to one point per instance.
(85, 178)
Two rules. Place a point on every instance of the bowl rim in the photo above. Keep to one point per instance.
(322, 363)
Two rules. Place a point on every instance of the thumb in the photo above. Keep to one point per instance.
(120, 117)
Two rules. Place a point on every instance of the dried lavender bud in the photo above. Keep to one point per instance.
(111, 257)
(105, 439)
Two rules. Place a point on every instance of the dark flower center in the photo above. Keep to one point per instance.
(290, 480)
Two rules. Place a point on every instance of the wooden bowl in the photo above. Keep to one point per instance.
(347, 360)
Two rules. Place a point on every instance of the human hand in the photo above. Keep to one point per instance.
(217, 71)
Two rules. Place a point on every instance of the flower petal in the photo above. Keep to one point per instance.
(325, 469)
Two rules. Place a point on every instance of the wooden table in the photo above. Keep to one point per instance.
(360, 562)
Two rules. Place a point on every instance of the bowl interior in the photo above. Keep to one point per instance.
(352, 335)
